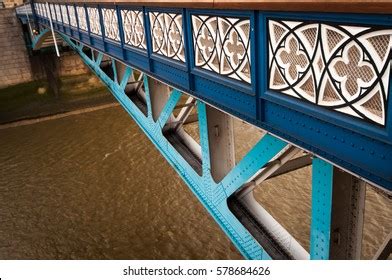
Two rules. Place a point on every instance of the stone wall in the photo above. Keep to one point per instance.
(12, 3)
(71, 64)
(14, 61)
(16, 66)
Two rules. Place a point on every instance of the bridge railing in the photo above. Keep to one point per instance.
(318, 80)
(23, 10)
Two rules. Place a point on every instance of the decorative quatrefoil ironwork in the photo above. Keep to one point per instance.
(133, 25)
(94, 21)
(110, 25)
(82, 19)
(222, 45)
(343, 68)
(167, 35)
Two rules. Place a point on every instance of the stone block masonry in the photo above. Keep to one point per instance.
(16, 66)
(12, 3)
(14, 61)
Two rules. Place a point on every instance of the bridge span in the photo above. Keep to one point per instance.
(315, 76)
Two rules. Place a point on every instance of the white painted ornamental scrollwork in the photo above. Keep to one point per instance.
(343, 68)
(58, 13)
(52, 12)
(81, 14)
(222, 45)
(167, 35)
(64, 14)
(72, 16)
(43, 10)
(110, 24)
(95, 24)
(133, 25)
(36, 8)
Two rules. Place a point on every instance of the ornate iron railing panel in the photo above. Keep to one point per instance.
(133, 27)
(72, 16)
(58, 13)
(82, 18)
(52, 11)
(319, 81)
(344, 68)
(110, 23)
(167, 35)
(222, 45)
(64, 14)
(94, 20)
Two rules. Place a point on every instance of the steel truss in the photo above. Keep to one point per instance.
(225, 188)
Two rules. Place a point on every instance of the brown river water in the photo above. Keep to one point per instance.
(92, 186)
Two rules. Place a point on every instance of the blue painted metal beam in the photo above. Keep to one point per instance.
(320, 232)
(212, 195)
(360, 147)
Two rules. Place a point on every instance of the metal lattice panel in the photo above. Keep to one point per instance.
(37, 8)
(52, 12)
(133, 24)
(43, 10)
(64, 14)
(82, 17)
(93, 19)
(111, 24)
(167, 35)
(58, 13)
(222, 45)
(343, 68)
(72, 16)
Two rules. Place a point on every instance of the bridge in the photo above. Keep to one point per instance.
(313, 75)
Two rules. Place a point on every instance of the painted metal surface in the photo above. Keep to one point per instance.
(211, 194)
(214, 193)
(322, 182)
(229, 60)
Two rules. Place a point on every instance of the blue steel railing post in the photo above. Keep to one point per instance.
(389, 106)
(189, 55)
(99, 7)
(147, 33)
(187, 45)
(120, 31)
(69, 19)
(185, 23)
(88, 24)
(255, 58)
(77, 21)
(61, 16)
